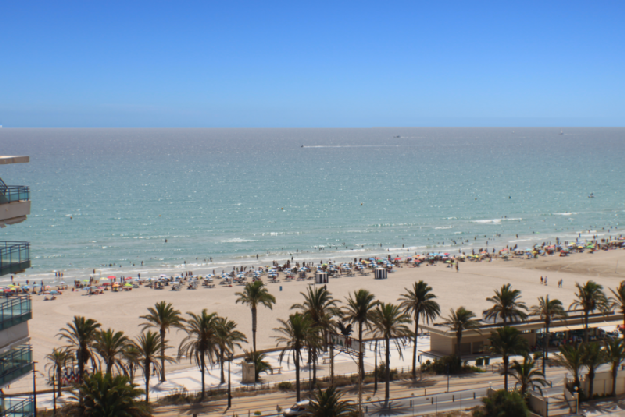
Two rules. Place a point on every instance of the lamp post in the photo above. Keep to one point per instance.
(34, 389)
(230, 357)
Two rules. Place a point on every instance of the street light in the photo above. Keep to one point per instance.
(34, 389)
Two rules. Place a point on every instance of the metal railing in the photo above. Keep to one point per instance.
(14, 256)
(17, 407)
(15, 310)
(15, 363)
(13, 193)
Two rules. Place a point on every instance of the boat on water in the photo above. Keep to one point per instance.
(591, 195)
(561, 133)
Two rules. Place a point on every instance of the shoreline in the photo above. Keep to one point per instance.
(199, 267)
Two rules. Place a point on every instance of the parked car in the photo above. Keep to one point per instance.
(296, 409)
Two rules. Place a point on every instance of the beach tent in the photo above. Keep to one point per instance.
(321, 277)
(381, 273)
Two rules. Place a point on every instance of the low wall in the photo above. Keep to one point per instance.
(602, 384)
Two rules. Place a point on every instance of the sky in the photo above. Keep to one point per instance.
(311, 64)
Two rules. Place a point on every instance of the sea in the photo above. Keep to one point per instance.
(151, 201)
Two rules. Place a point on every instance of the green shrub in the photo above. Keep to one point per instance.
(285, 385)
(448, 363)
(257, 413)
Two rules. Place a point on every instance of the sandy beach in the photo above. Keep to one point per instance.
(469, 287)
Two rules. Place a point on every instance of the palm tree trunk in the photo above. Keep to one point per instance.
(221, 361)
(332, 363)
(314, 366)
(586, 326)
(81, 365)
(146, 371)
(59, 377)
(202, 372)
(591, 380)
(375, 372)
(459, 337)
(109, 366)
(414, 351)
(254, 314)
(388, 369)
(361, 364)
(297, 384)
(163, 354)
(505, 371)
(546, 349)
(614, 375)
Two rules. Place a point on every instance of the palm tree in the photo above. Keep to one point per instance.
(150, 347)
(110, 344)
(320, 307)
(59, 358)
(618, 301)
(570, 357)
(105, 395)
(507, 341)
(527, 375)
(228, 337)
(162, 316)
(260, 364)
(296, 333)
(503, 403)
(506, 305)
(459, 321)
(590, 297)
(419, 302)
(615, 354)
(548, 310)
(201, 343)
(80, 334)
(359, 310)
(592, 357)
(132, 359)
(253, 294)
(328, 403)
(389, 321)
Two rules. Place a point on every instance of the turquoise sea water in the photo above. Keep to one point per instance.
(113, 196)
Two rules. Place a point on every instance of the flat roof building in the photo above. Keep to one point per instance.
(16, 355)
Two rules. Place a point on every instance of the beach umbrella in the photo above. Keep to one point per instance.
(127, 285)
(53, 292)
(111, 277)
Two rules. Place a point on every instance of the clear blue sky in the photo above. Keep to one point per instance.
(312, 64)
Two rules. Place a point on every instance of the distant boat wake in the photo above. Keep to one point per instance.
(352, 146)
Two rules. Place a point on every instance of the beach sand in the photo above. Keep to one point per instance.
(469, 287)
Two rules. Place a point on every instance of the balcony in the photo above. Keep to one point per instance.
(15, 363)
(14, 203)
(15, 407)
(15, 310)
(14, 257)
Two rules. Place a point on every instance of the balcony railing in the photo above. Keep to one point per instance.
(14, 407)
(13, 193)
(15, 363)
(14, 257)
(15, 310)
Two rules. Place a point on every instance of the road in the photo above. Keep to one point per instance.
(408, 398)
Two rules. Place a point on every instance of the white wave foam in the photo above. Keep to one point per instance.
(237, 240)
(443, 227)
(563, 214)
